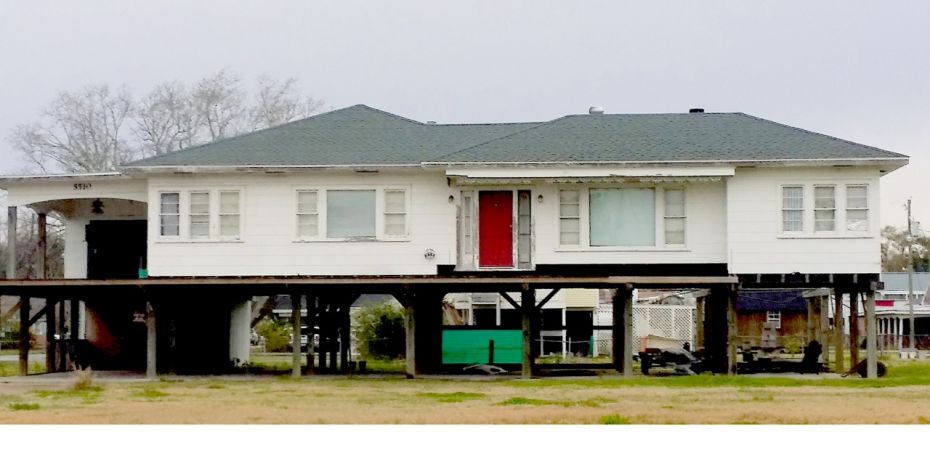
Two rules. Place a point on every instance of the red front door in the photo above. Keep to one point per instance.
(495, 229)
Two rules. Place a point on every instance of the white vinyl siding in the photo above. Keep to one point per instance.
(824, 208)
(395, 213)
(792, 208)
(622, 217)
(230, 212)
(350, 214)
(170, 214)
(199, 215)
(308, 216)
(857, 208)
(674, 216)
(569, 217)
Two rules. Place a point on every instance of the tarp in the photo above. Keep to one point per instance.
(775, 300)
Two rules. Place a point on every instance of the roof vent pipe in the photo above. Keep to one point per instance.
(696, 110)
(596, 110)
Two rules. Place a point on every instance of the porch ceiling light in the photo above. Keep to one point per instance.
(96, 207)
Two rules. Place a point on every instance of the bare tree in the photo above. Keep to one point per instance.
(165, 120)
(278, 102)
(80, 132)
(219, 103)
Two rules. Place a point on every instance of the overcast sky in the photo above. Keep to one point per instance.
(855, 70)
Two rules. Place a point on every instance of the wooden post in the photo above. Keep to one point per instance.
(11, 242)
(839, 358)
(75, 331)
(295, 339)
(732, 332)
(809, 304)
(312, 308)
(622, 342)
(410, 329)
(41, 247)
(528, 311)
(698, 323)
(151, 342)
(24, 313)
(853, 328)
(824, 329)
(344, 334)
(324, 331)
(870, 339)
(51, 327)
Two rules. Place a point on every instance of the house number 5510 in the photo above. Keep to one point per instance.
(82, 186)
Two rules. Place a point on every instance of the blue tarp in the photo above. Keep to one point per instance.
(780, 300)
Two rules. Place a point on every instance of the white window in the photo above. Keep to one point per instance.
(674, 216)
(350, 214)
(170, 214)
(824, 208)
(857, 208)
(622, 217)
(395, 213)
(467, 242)
(569, 217)
(792, 208)
(229, 214)
(199, 215)
(773, 318)
(308, 215)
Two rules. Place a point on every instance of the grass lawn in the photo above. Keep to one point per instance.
(901, 397)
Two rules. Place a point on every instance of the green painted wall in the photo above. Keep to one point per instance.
(471, 346)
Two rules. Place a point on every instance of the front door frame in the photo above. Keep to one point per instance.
(474, 210)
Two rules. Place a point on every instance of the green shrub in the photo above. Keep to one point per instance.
(277, 334)
(380, 331)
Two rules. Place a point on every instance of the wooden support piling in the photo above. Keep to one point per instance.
(323, 319)
(51, 327)
(410, 329)
(24, 309)
(622, 342)
(839, 358)
(41, 247)
(151, 342)
(528, 312)
(824, 333)
(296, 300)
(60, 343)
(312, 309)
(698, 323)
(870, 336)
(853, 328)
(333, 335)
(75, 332)
(344, 335)
(11, 243)
(732, 332)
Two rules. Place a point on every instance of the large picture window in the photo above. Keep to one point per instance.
(350, 214)
(622, 217)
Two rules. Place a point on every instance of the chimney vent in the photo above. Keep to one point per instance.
(696, 110)
(596, 110)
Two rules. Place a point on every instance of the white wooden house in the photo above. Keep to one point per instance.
(362, 192)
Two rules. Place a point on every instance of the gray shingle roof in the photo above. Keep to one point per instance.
(360, 135)
(664, 138)
(356, 135)
(897, 281)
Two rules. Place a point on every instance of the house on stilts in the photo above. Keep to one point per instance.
(163, 257)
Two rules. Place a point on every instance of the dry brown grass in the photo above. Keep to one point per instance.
(388, 401)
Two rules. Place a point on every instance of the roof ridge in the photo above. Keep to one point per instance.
(499, 138)
(821, 134)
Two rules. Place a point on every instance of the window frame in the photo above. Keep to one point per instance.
(322, 218)
(220, 214)
(775, 317)
(782, 209)
(297, 214)
(584, 211)
(179, 215)
(683, 217)
(847, 208)
(208, 214)
(184, 203)
(385, 213)
(816, 209)
(576, 217)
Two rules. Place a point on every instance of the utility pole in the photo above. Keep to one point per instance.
(912, 346)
